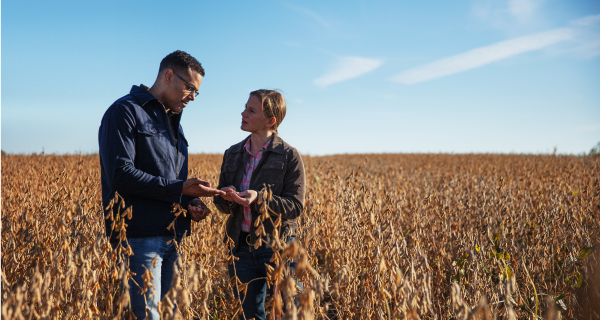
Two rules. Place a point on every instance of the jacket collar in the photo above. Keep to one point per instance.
(276, 145)
(141, 94)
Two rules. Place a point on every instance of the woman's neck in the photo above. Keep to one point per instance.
(258, 140)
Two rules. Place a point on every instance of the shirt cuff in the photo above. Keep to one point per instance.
(175, 190)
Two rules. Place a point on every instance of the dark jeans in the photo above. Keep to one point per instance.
(251, 265)
(144, 251)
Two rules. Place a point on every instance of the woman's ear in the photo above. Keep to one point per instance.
(271, 122)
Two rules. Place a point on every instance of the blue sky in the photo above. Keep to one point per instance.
(504, 76)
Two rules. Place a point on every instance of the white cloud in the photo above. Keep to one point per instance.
(508, 15)
(481, 56)
(347, 68)
(523, 9)
(587, 41)
(482, 9)
(588, 21)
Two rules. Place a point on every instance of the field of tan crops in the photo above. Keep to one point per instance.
(428, 236)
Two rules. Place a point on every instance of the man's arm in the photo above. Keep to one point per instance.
(117, 150)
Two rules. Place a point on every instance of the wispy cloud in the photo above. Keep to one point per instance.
(508, 15)
(586, 43)
(347, 68)
(523, 9)
(588, 21)
(481, 56)
(583, 36)
(312, 15)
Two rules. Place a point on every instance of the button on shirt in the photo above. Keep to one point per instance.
(249, 169)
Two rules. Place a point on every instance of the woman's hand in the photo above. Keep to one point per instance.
(229, 191)
(245, 198)
(198, 210)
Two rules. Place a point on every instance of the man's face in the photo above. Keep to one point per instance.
(179, 93)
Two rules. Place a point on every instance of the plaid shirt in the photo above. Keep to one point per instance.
(249, 169)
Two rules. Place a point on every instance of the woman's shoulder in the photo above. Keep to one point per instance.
(281, 146)
(238, 147)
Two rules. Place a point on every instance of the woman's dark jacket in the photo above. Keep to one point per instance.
(281, 169)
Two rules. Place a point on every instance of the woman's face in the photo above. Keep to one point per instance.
(253, 117)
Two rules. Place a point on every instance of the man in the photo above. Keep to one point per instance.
(144, 157)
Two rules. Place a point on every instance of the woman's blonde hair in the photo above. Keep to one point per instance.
(273, 105)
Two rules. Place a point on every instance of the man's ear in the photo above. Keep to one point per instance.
(271, 122)
(168, 76)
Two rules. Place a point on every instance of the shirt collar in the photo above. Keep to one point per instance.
(141, 94)
(265, 146)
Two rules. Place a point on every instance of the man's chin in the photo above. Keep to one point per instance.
(176, 109)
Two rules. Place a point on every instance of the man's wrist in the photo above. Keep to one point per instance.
(175, 187)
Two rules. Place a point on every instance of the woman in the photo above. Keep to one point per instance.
(262, 160)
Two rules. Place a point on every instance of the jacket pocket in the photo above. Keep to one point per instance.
(152, 143)
(229, 172)
(230, 166)
(271, 173)
(274, 165)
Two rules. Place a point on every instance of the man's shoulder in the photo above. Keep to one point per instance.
(137, 97)
(127, 101)
(126, 105)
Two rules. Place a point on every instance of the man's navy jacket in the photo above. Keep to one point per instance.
(139, 160)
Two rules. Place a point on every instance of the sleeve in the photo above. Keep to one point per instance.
(223, 205)
(117, 151)
(290, 204)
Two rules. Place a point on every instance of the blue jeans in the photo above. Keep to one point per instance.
(251, 265)
(144, 251)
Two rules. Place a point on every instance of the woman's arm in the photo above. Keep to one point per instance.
(290, 203)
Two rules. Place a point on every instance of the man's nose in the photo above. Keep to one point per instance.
(192, 96)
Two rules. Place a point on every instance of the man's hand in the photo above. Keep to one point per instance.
(228, 193)
(198, 210)
(199, 188)
(244, 198)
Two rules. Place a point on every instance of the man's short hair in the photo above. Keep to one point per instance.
(180, 62)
